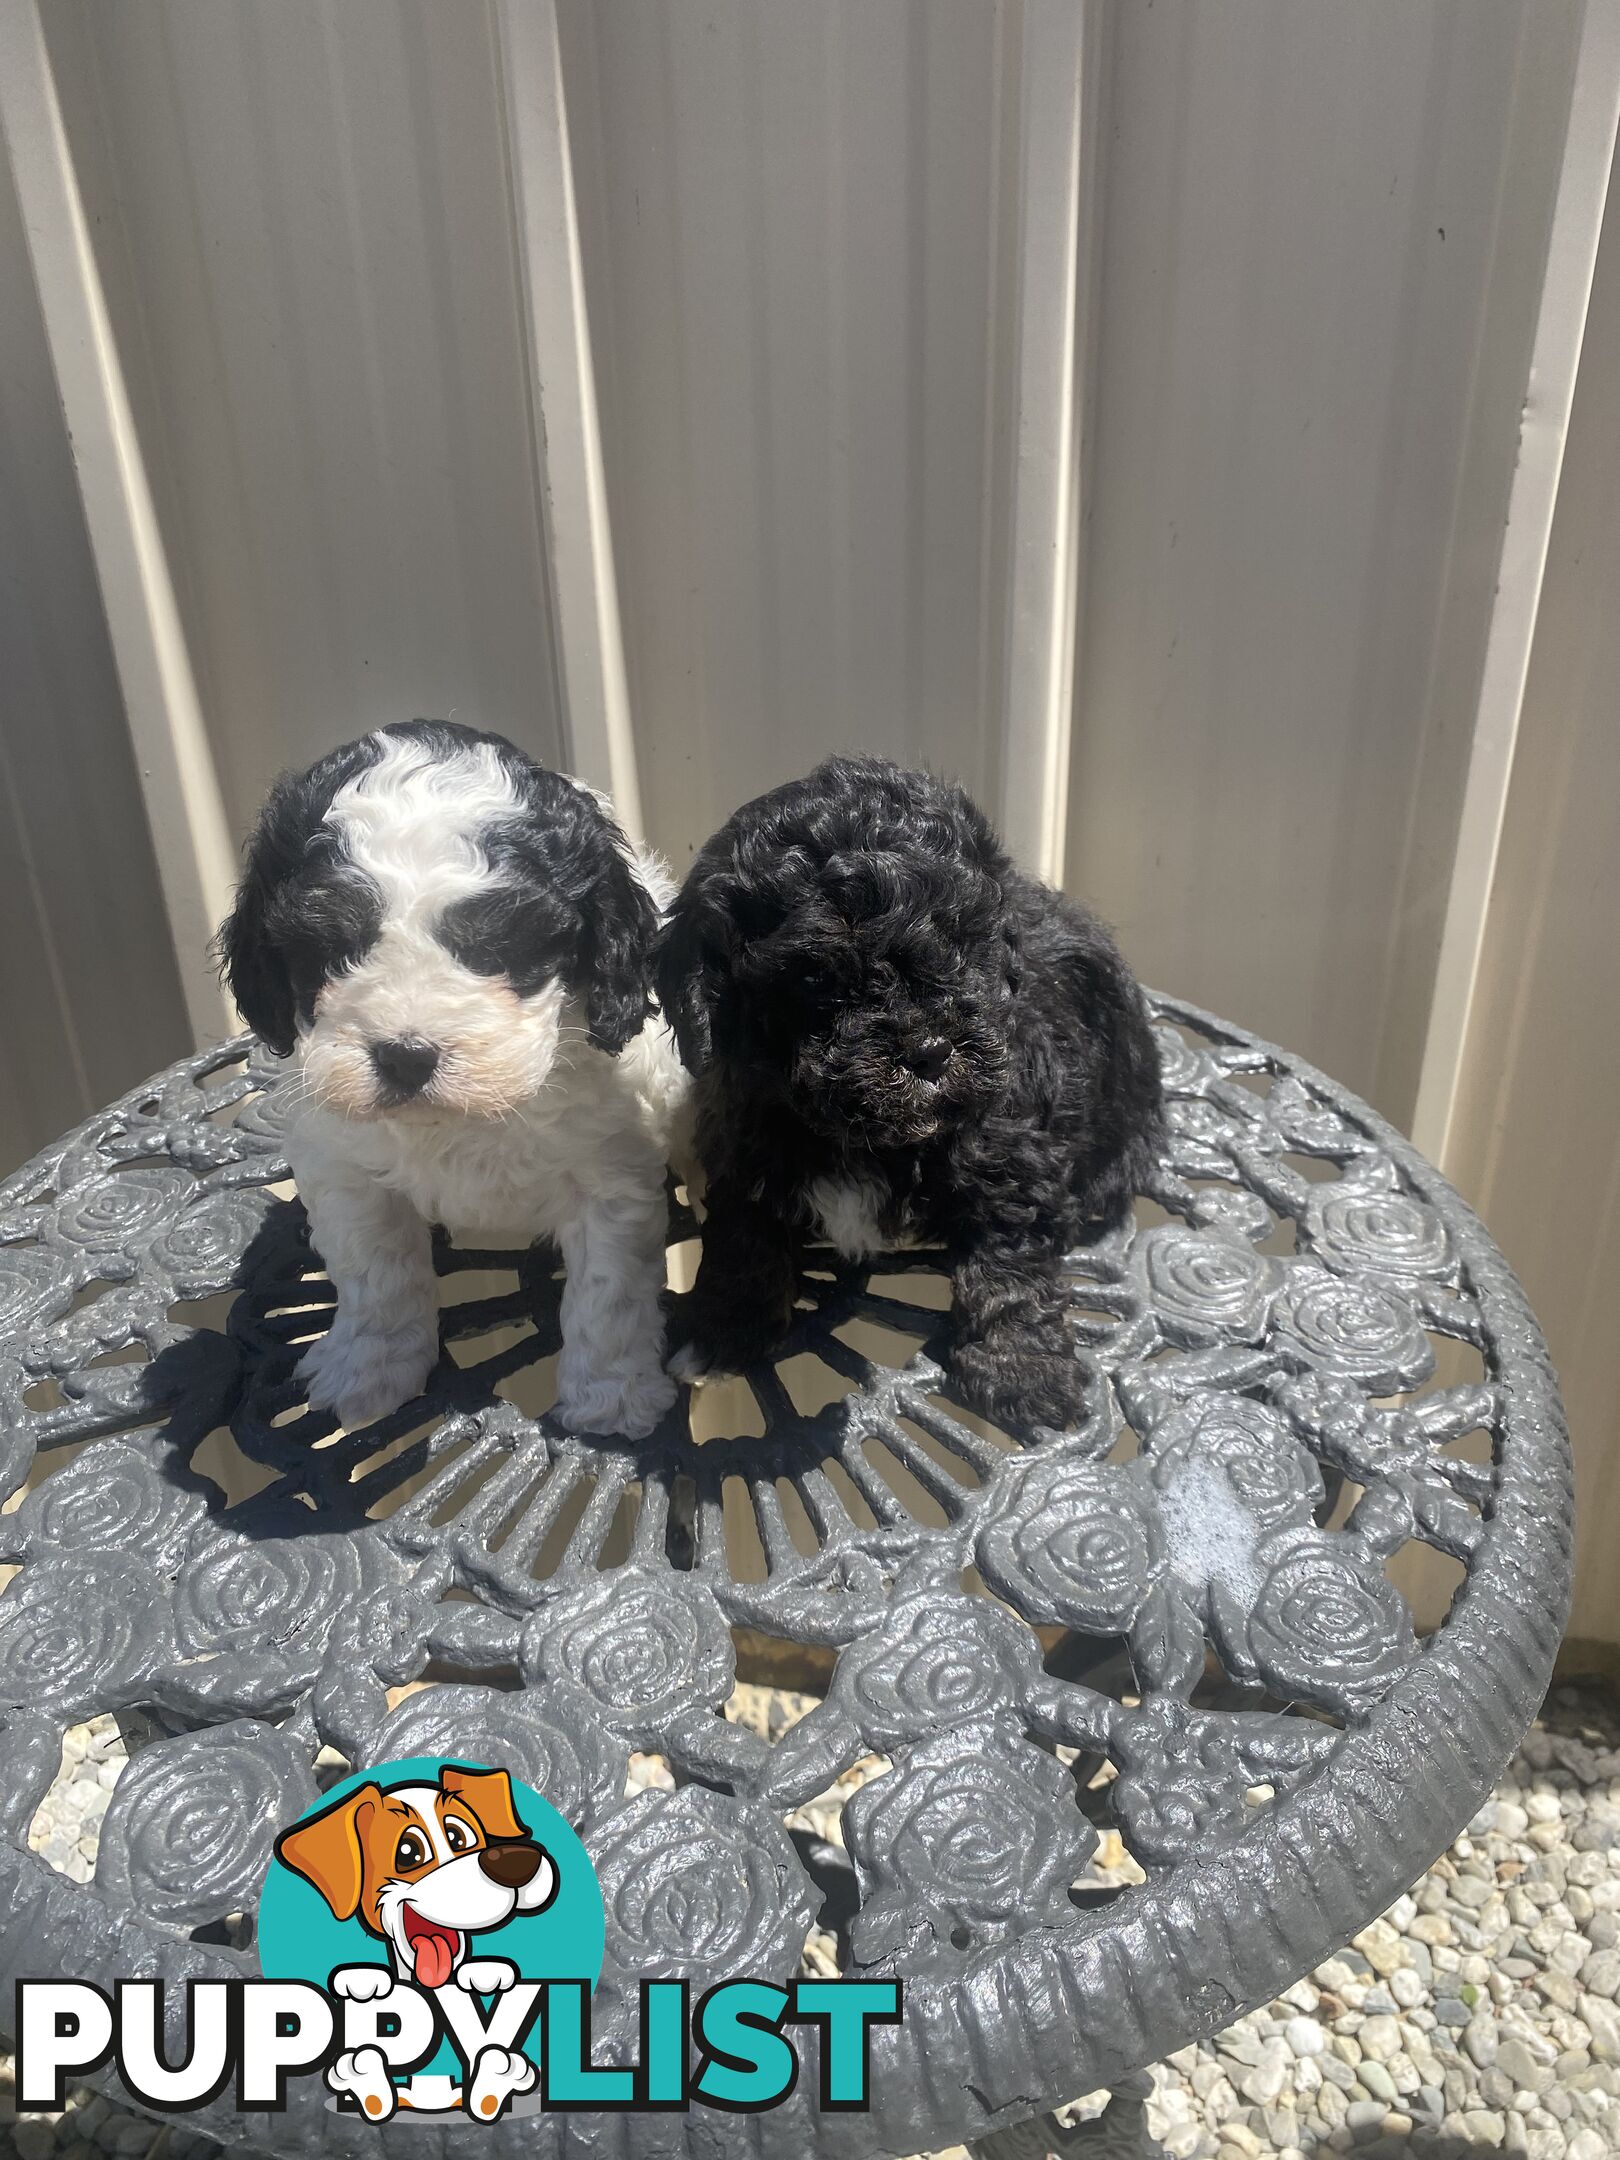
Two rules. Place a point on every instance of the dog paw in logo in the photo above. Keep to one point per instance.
(432, 1898)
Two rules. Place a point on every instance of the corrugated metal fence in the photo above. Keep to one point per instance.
(1154, 415)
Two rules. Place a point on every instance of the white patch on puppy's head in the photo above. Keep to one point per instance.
(419, 1025)
(435, 921)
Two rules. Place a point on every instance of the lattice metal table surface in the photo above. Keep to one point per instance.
(1306, 1355)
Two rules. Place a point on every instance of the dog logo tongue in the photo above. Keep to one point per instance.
(433, 1948)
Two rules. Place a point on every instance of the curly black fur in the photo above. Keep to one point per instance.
(870, 993)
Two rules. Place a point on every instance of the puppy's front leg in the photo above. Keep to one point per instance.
(378, 1251)
(610, 1377)
(741, 1306)
(1011, 1353)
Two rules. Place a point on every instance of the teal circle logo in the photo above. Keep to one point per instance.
(449, 1880)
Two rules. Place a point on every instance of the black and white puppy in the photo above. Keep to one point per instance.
(457, 944)
(897, 1035)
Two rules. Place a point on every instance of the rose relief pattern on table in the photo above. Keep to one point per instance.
(1049, 1651)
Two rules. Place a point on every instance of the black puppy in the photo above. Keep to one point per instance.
(896, 1034)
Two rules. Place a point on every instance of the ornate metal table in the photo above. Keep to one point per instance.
(1173, 1629)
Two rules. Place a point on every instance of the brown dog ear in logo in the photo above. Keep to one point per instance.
(325, 1849)
(489, 1794)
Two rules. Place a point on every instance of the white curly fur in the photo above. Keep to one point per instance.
(526, 1130)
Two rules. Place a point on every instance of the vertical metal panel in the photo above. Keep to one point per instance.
(1554, 364)
(89, 996)
(178, 783)
(789, 219)
(1304, 263)
(303, 219)
(1536, 1136)
(1050, 235)
(566, 441)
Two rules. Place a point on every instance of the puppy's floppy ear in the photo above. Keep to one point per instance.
(326, 1849)
(277, 854)
(678, 976)
(615, 973)
(489, 1794)
(254, 969)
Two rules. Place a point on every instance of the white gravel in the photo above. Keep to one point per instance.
(1481, 2009)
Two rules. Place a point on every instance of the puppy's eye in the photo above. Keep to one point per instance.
(823, 985)
(457, 1836)
(412, 1850)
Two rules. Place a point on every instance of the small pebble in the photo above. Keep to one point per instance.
(1602, 2021)
(1515, 2060)
(1479, 2041)
(1485, 2125)
(1380, 2038)
(1560, 1990)
(1382, 1947)
(1378, 2081)
(1265, 2081)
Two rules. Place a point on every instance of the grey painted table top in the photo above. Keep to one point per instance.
(1192, 1638)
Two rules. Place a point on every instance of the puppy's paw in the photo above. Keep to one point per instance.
(498, 2074)
(704, 1340)
(1022, 1380)
(362, 1983)
(362, 2073)
(361, 1372)
(629, 1404)
(486, 1976)
(689, 1363)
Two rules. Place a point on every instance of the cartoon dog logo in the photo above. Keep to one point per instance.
(425, 1868)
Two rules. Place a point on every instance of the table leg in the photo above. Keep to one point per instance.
(1120, 2132)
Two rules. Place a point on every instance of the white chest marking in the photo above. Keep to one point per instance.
(847, 1210)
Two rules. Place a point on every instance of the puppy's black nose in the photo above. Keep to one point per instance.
(406, 1065)
(510, 1865)
(930, 1060)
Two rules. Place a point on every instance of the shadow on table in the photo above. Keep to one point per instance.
(235, 1417)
